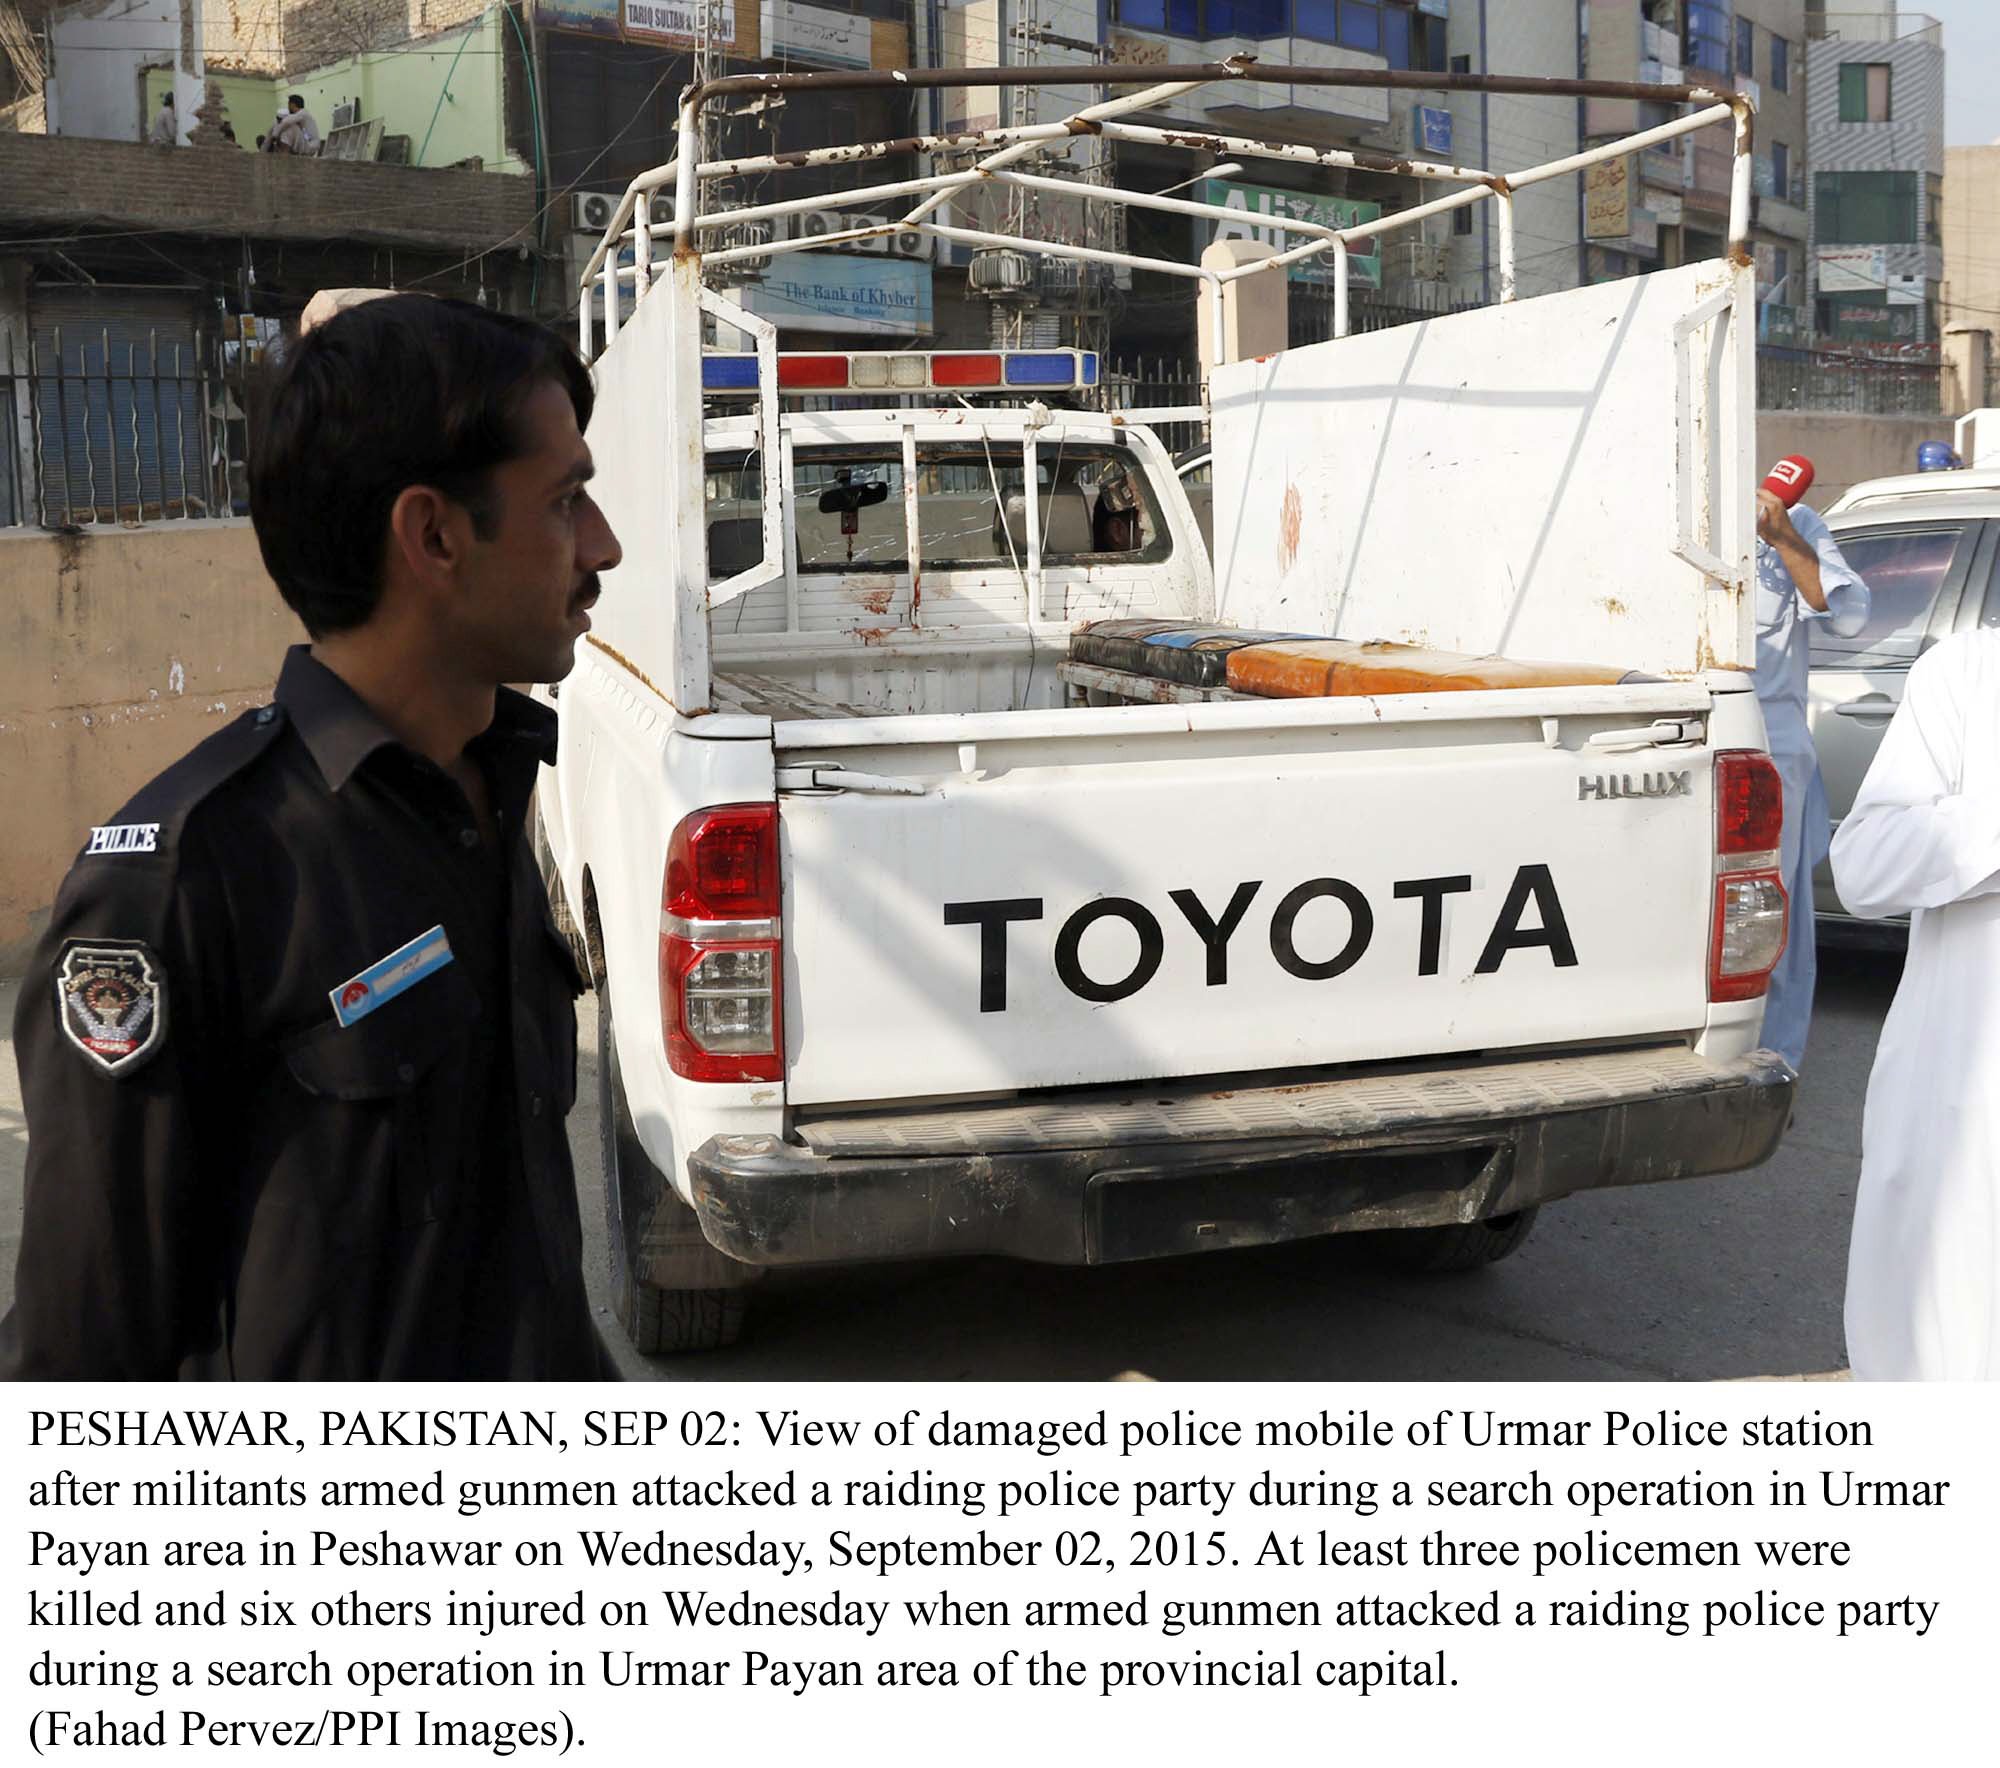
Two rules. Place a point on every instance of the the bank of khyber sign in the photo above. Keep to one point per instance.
(1250, 205)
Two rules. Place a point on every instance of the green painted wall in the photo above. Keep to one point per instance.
(402, 86)
(248, 101)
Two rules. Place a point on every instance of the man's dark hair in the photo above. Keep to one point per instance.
(166, 97)
(296, 102)
(399, 391)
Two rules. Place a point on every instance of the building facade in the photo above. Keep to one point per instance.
(1969, 298)
(1875, 100)
(1670, 204)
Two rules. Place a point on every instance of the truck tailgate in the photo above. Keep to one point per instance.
(1160, 892)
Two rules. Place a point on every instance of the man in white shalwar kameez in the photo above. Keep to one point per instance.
(1923, 1271)
(1801, 579)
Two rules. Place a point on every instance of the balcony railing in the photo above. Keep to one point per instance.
(1874, 27)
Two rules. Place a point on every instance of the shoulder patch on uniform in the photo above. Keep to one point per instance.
(125, 838)
(111, 1001)
(164, 803)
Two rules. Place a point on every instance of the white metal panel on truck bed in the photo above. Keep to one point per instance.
(1566, 478)
(1208, 901)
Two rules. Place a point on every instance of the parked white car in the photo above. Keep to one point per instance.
(1928, 547)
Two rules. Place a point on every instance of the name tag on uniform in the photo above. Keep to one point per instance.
(403, 968)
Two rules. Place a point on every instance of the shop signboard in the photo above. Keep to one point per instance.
(796, 32)
(835, 292)
(1247, 203)
(1607, 199)
(680, 21)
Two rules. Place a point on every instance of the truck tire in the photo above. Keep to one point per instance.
(1464, 1246)
(659, 1322)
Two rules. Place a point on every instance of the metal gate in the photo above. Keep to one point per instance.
(119, 405)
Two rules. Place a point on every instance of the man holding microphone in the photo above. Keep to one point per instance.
(1801, 578)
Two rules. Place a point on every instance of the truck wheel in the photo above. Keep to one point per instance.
(638, 1199)
(1464, 1246)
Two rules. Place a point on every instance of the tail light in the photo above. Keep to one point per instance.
(721, 957)
(1752, 912)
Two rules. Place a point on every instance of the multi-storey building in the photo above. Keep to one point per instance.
(1875, 98)
(1456, 258)
(1670, 205)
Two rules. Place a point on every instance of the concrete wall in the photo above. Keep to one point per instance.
(265, 196)
(99, 47)
(318, 31)
(1969, 301)
(409, 89)
(119, 652)
(452, 106)
(1845, 449)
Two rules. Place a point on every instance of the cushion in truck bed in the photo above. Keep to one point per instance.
(1287, 667)
(1166, 650)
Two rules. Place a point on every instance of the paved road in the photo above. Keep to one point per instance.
(1709, 1279)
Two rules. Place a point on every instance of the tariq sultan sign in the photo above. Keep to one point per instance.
(680, 21)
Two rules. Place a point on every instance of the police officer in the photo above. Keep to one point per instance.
(298, 1044)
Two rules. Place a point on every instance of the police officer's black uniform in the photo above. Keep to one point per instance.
(256, 1149)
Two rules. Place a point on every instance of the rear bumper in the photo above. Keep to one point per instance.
(1104, 1177)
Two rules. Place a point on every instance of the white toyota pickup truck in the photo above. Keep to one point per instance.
(968, 863)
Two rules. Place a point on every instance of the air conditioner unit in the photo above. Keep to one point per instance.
(346, 114)
(591, 210)
(821, 223)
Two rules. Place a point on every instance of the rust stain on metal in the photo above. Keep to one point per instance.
(624, 662)
(1291, 518)
(873, 635)
(1498, 184)
(876, 601)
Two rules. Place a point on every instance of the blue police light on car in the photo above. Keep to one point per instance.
(1043, 368)
(729, 374)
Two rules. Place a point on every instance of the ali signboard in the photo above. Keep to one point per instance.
(1248, 203)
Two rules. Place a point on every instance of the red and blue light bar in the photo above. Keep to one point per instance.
(907, 371)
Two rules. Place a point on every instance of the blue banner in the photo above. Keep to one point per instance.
(835, 292)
